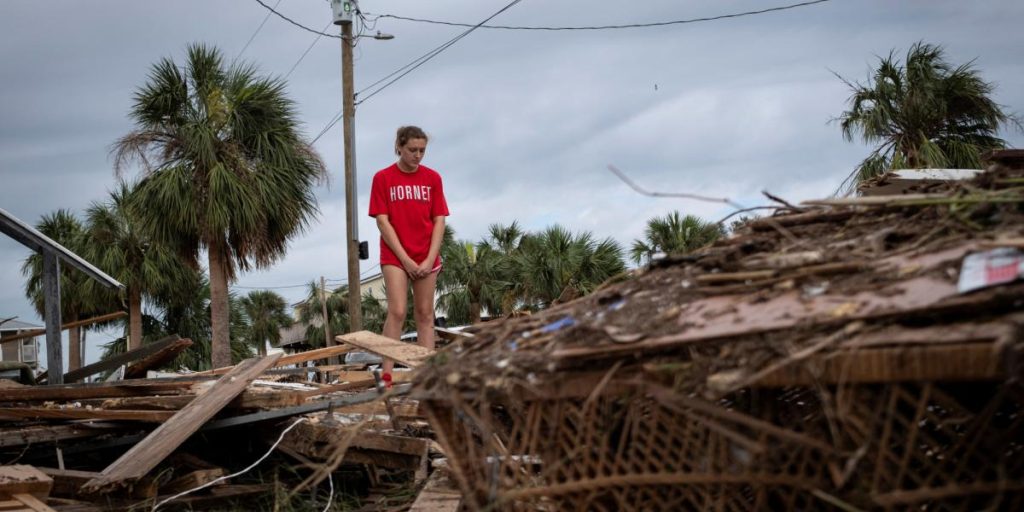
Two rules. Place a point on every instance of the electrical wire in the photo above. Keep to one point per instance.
(226, 477)
(423, 59)
(293, 22)
(253, 36)
(303, 56)
(606, 27)
(408, 68)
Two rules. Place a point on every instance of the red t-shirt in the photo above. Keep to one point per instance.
(411, 201)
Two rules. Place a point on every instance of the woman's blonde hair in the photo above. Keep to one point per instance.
(406, 133)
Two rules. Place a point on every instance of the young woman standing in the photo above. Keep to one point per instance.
(407, 199)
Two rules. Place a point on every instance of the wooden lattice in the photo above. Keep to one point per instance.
(864, 447)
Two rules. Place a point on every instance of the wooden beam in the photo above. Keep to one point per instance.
(138, 369)
(66, 392)
(51, 316)
(66, 482)
(115, 361)
(81, 413)
(408, 354)
(301, 357)
(24, 479)
(319, 405)
(31, 503)
(78, 323)
(21, 436)
(145, 456)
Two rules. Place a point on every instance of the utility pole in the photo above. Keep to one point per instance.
(328, 339)
(343, 11)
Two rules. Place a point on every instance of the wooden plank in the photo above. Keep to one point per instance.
(115, 361)
(301, 357)
(438, 495)
(81, 413)
(318, 405)
(66, 482)
(145, 456)
(24, 479)
(65, 392)
(32, 503)
(51, 433)
(249, 399)
(78, 323)
(51, 316)
(193, 479)
(408, 354)
(138, 369)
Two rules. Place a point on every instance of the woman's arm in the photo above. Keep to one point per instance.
(387, 233)
(436, 236)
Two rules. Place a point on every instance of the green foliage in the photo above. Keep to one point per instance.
(555, 262)
(922, 113)
(266, 314)
(224, 166)
(674, 234)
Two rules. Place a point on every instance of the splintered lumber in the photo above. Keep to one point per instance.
(249, 399)
(138, 369)
(28, 503)
(192, 480)
(319, 405)
(130, 356)
(81, 413)
(408, 354)
(22, 436)
(301, 357)
(63, 392)
(145, 455)
(438, 495)
(24, 479)
(66, 482)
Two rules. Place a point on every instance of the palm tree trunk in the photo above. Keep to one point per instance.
(474, 312)
(134, 318)
(220, 345)
(74, 345)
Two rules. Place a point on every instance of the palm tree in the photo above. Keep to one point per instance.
(266, 313)
(184, 310)
(63, 227)
(225, 169)
(555, 265)
(673, 234)
(473, 278)
(122, 249)
(923, 113)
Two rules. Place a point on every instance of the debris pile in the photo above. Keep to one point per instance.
(201, 440)
(845, 354)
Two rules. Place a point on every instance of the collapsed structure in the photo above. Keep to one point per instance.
(846, 354)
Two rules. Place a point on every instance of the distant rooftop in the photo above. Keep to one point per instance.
(17, 325)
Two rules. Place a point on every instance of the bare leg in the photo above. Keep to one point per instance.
(423, 309)
(396, 283)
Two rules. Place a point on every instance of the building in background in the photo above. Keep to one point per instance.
(23, 351)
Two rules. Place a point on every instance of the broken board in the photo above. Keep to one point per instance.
(149, 452)
(406, 353)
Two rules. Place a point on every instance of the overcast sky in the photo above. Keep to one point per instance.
(523, 123)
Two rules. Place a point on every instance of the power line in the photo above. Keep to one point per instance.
(605, 27)
(408, 68)
(253, 36)
(303, 56)
(293, 22)
(423, 59)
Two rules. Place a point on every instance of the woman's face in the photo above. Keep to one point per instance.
(412, 152)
